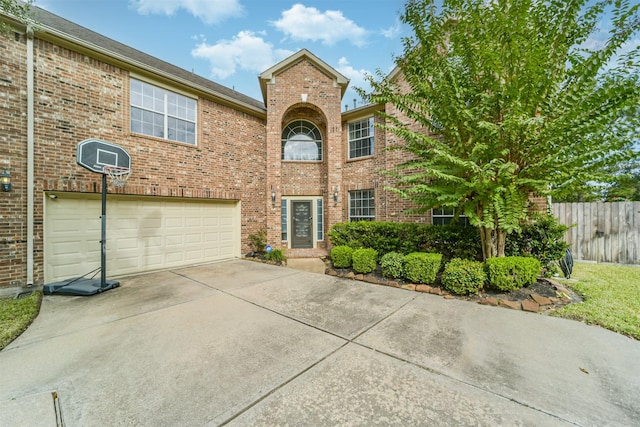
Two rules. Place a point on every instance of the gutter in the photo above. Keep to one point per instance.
(30, 154)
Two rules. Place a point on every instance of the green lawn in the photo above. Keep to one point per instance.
(16, 315)
(611, 297)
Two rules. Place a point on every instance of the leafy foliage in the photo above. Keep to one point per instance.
(341, 256)
(17, 9)
(392, 265)
(452, 241)
(449, 240)
(623, 185)
(542, 238)
(259, 240)
(276, 255)
(626, 185)
(384, 237)
(463, 277)
(511, 273)
(422, 267)
(515, 103)
(364, 260)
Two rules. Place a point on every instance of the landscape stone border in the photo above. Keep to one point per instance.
(529, 301)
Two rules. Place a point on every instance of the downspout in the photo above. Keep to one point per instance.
(30, 155)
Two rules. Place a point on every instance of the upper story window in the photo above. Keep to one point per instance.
(161, 113)
(361, 138)
(442, 216)
(362, 205)
(301, 140)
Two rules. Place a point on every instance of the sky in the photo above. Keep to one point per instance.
(232, 41)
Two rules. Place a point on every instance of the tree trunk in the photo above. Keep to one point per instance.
(493, 242)
(501, 240)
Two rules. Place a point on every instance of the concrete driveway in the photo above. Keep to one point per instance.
(243, 343)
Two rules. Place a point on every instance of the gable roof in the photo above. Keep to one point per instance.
(54, 28)
(268, 75)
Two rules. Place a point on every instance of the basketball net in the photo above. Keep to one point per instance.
(118, 175)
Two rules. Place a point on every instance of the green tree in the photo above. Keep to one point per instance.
(626, 184)
(17, 9)
(514, 101)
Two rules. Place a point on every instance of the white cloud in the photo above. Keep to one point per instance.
(209, 11)
(247, 51)
(392, 31)
(308, 23)
(628, 47)
(357, 77)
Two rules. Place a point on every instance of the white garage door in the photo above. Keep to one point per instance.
(143, 234)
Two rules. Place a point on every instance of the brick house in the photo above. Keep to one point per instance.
(210, 166)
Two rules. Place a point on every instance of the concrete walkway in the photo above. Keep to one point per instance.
(244, 343)
(312, 265)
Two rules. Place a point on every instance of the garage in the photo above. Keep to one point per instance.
(143, 233)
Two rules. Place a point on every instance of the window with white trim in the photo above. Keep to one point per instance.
(442, 216)
(301, 141)
(161, 113)
(361, 138)
(319, 220)
(283, 220)
(361, 205)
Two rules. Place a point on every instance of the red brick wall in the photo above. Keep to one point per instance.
(77, 97)
(395, 206)
(238, 156)
(322, 107)
(13, 131)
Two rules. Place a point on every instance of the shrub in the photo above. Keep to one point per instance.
(511, 273)
(259, 240)
(421, 267)
(463, 277)
(392, 265)
(405, 237)
(452, 241)
(275, 255)
(364, 260)
(542, 238)
(341, 256)
(384, 237)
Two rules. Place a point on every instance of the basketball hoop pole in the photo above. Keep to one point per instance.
(103, 237)
(104, 158)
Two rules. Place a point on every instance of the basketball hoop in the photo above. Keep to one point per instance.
(118, 175)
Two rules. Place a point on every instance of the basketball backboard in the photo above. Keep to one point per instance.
(94, 154)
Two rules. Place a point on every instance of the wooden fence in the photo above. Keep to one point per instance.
(602, 232)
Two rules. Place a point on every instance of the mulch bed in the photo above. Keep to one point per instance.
(543, 296)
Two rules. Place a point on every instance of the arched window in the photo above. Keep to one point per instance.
(301, 140)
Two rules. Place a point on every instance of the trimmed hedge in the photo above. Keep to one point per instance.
(452, 241)
(511, 273)
(463, 277)
(392, 265)
(364, 260)
(422, 267)
(341, 256)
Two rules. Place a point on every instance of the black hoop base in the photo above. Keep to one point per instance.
(82, 287)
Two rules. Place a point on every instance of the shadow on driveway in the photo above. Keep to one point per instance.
(245, 343)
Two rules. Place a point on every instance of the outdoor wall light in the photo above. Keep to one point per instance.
(335, 196)
(273, 196)
(5, 180)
